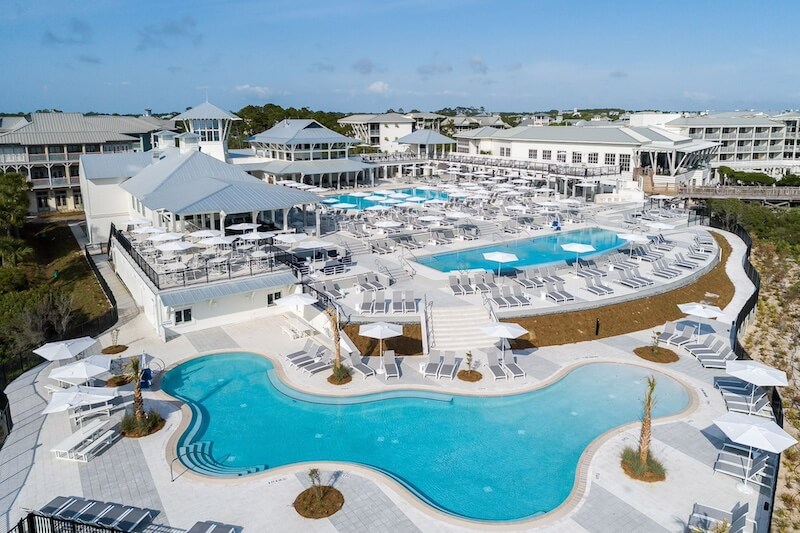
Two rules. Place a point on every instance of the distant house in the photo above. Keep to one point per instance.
(426, 121)
(461, 123)
(380, 131)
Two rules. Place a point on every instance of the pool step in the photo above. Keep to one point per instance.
(199, 458)
(458, 327)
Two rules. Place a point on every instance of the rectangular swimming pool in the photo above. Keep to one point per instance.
(393, 196)
(531, 252)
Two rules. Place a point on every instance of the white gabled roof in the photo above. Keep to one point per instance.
(300, 131)
(206, 110)
(76, 128)
(122, 165)
(425, 137)
(384, 118)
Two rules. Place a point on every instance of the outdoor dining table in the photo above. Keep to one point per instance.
(219, 264)
(245, 247)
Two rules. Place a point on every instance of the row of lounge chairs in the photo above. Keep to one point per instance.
(742, 397)
(441, 365)
(311, 359)
(632, 279)
(712, 351)
(85, 443)
(556, 292)
(505, 297)
(705, 518)
(737, 461)
(659, 242)
(501, 364)
(481, 282)
(369, 282)
(376, 302)
(113, 516)
(595, 285)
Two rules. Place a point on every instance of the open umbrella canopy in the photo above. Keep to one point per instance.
(205, 233)
(633, 237)
(77, 397)
(504, 330)
(380, 330)
(391, 201)
(577, 247)
(425, 188)
(660, 225)
(217, 241)
(138, 221)
(374, 198)
(60, 350)
(700, 310)
(330, 200)
(389, 223)
(378, 208)
(244, 226)
(174, 246)
(148, 229)
(360, 194)
(756, 373)
(296, 299)
(313, 244)
(82, 370)
(343, 205)
(755, 431)
(164, 237)
(291, 238)
(257, 236)
(500, 257)
(430, 218)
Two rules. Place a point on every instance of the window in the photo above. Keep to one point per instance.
(611, 159)
(577, 157)
(41, 200)
(532, 154)
(77, 199)
(61, 198)
(547, 155)
(561, 156)
(624, 162)
(505, 152)
(272, 298)
(593, 157)
(183, 316)
(74, 148)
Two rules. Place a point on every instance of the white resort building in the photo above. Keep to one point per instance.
(380, 131)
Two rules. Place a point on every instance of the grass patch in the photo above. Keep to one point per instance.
(114, 349)
(410, 343)
(118, 381)
(56, 250)
(340, 376)
(132, 428)
(469, 375)
(650, 472)
(657, 354)
(627, 317)
(318, 502)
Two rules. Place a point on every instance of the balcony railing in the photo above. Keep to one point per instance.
(49, 183)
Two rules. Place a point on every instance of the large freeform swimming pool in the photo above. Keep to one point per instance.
(530, 252)
(483, 458)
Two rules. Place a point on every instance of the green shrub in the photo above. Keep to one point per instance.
(340, 372)
(652, 469)
(132, 427)
(12, 279)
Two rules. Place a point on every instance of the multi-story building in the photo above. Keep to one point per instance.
(426, 121)
(47, 146)
(461, 123)
(380, 131)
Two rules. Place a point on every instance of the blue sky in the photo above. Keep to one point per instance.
(358, 55)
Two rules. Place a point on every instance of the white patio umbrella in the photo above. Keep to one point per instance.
(391, 201)
(83, 370)
(244, 226)
(660, 225)
(435, 201)
(632, 238)
(205, 233)
(148, 230)
(501, 258)
(374, 198)
(389, 223)
(754, 432)
(257, 236)
(700, 310)
(138, 221)
(291, 238)
(330, 200)
(383, 192)
(359, 194)
(296, 299)
(399, 195)
(313, 244)
(407, 205)
(381, 331)
(378, 208)
(317, 189)
(60, 350)
(430, 218)
(286, 182)
(174, 246)
(579, 248)
(79, 396)
(504, 330)
(343, 205)
(164, 237)
(217, 241)
(759, 374)
(425, 188)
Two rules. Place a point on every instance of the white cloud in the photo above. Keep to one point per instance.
(257, 90)
(379, 87)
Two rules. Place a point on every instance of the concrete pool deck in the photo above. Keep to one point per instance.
(137, 472)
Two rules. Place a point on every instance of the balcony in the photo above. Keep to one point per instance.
(712, 136)
(50, 183)
(726, 136)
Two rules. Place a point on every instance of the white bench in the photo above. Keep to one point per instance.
(87, 452)
(86, 413)
(66, 447)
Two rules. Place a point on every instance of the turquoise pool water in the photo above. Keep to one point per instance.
(363, 203)
(497, 458)
(531, 252)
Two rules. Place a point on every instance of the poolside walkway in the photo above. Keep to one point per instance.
(136, 472)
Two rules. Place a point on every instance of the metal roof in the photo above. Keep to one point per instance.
(480, 120)
(569, 134)
(383, 118)
(76, 128)
(425, 137)
(11, 123)
(423, 115)
(180, 297)
(300, 131)
(122, 165)
(206, 110)
(317, 166)
(194, 182)
(725, 121)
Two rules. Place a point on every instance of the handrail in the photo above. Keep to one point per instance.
(384, 270)
(427, 308)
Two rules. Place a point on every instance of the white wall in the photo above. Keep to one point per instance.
(641, 120)
(104, 202)
(393, 131)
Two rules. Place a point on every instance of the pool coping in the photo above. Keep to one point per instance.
(572, 502)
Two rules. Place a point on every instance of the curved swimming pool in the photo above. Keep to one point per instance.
(530, 252)
(483, 458)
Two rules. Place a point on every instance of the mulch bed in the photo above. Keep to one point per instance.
(469, 375)
(333, 381)
(647, 476)
(113, 349)
(410, 343)
(139, 434)
(656, 355)
(309, 505)
(118, 381)
(618, 319)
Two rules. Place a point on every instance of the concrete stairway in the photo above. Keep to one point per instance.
(458, 327)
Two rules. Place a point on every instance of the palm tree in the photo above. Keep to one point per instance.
(134, 367)
(13, 251)
(333, 316)
(647, 420)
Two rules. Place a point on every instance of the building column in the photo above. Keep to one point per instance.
(286, 219)
(316, 215)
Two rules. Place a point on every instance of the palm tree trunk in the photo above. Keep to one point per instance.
(337, 348)
(138, 401)
(647, 421)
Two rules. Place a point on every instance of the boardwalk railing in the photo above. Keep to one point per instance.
(765, 193)
(36, 523)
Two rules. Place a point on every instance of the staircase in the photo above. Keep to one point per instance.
(199, 458)
(485, 227)
(458, 327)
(397, 272)
(354, 246)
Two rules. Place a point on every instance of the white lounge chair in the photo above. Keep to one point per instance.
(390, 366)
(362, 368)
(449, 366)
(433, 365)
(510, 365)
